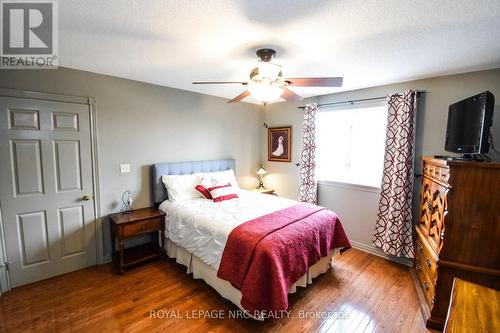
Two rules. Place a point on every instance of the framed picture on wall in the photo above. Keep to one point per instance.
(279, 144)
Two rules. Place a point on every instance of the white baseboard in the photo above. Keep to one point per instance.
(379, 253)
(106, 259)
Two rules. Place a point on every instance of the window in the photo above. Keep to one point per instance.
(350, 144)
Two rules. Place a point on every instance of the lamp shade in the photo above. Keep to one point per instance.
(265, 91)
(261, 171)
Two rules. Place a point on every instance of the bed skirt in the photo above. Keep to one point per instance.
(201, 270)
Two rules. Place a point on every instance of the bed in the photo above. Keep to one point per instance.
(197, 229)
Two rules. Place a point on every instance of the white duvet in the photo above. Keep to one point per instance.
(202, 226)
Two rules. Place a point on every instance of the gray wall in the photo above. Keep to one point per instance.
(357, 207)
(283, 176)
(140, 124)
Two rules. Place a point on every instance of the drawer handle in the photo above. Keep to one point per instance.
(418, 267)
(428, 262)
(419, 247)
(426, 286)
(145, 227)
(442, 234)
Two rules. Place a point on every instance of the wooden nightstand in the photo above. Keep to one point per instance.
(139, 222)
(264, 191)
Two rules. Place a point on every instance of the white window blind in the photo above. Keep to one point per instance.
(350, 144)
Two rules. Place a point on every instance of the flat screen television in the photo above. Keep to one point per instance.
(469, 124)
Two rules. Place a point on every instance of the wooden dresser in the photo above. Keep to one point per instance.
(458, 232)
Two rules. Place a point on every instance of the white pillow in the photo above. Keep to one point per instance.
(210, 179)
(181, 187)
(223, 193)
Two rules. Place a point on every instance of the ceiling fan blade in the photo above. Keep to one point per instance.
(220, 82)
(290, 95)
(241, 96)
(316, 81)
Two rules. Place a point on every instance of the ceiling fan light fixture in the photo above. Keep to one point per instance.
(265, 91)
(267, 84)
(268, 70)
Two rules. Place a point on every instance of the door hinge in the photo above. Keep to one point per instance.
(5, 264)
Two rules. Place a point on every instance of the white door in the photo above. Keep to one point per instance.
(46, 188)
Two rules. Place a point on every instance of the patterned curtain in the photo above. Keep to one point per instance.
(394, 227)
(307, 181)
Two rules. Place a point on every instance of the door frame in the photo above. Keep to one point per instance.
(90, 101)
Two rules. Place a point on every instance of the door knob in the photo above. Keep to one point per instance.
(86, 197)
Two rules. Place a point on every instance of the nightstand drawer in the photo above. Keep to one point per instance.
(136, 228)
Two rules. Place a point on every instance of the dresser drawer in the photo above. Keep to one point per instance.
(148, 225)
(426, 267)
(425, 261)
(425, 284)
(437, 172)
(424, 221)
(438, 212)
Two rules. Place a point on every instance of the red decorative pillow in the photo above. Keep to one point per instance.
(203, 191)
(222, 193)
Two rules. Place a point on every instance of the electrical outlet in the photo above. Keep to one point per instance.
(125, 168)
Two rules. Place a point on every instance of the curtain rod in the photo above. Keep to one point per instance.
(358, 100)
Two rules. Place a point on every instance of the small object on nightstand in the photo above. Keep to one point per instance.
(127, 202)
(265, 191)
(138, 222)
(261, 172)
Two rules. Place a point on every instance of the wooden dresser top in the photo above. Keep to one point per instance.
(461, 163)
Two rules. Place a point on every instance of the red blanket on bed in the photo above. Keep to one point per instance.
(264, 257)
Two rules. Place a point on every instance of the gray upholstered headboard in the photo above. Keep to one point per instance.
(182, 168)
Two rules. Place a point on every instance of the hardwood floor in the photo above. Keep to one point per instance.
(362, 293)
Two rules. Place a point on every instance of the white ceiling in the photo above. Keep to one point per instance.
(371, 42)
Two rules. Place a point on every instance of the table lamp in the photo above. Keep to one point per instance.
(261, 172)
(127, 202)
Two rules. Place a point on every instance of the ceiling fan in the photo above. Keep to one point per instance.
(267, 83)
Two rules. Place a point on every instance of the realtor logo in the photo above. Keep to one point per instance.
(29, 34)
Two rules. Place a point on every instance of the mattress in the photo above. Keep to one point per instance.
(201, 226)
(201, 270)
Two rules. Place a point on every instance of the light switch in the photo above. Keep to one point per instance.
(125, 168)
